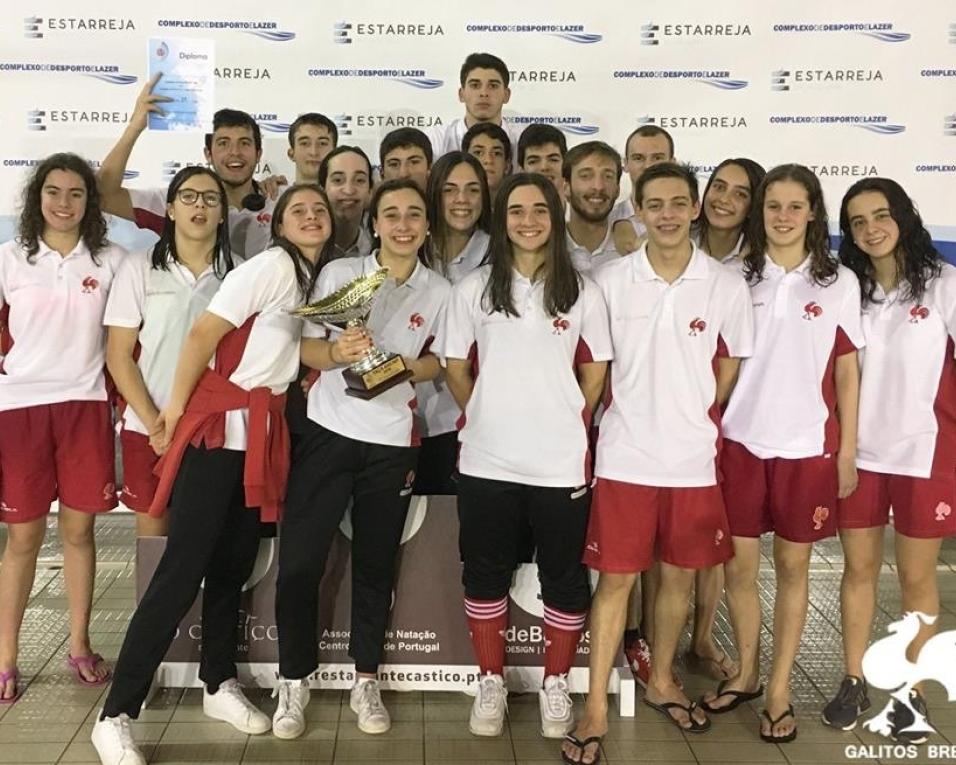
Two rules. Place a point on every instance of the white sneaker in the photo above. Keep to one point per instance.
(366, 701)
(488, 711)
(289, 718)
(230, 705)
(113, 740)
(554, 701)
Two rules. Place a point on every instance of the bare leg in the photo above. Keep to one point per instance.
(708, 590)
(17, 570)
(863, 556)
(148, 526)
(650, 584)
(916, 564)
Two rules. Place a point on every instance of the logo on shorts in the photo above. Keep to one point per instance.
(697, 326)
(812, 310)
(918, 313)
(109, 490)
(90, 284)
(593, 548)
(416, 321)
(127, 492)
(718, 537)
(5, 508)
(264, 218)
(560, 325)
(820, 515)
(943, 511)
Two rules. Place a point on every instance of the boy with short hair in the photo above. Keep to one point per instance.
(311, 137)
(406, 153)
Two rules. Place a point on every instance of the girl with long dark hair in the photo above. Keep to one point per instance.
(727, 211)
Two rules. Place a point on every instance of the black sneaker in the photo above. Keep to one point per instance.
(849, 703)
(901, 717)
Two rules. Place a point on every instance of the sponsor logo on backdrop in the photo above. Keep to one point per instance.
(877, 123)
(702, 171)
(345, 32)
(937, 73)
(45, 119)
(417, 78)
(103, 72)
(882, 31)
(949, 124)
(844, 171)
(952, 33)
(939, 167)
(36, 27)
(349, 124)
(694, 121)
(789, 79)
(33, 162)
(242, 73)
(576, 33)
(271, 123)
(653, 33)
(717, 78)
(543, 75)
(567, 123)
(265, 30)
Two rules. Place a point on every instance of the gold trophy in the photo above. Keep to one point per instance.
(349, 306)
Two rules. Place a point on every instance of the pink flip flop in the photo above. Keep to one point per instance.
(89, 663)
(6, 677)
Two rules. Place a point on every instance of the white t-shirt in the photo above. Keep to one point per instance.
(403, 320)
(249, 231)
(162, 305)
(661, 426)
(264, 285)
(907, 420)
(784, 402)
(526, 420)
(56, 322)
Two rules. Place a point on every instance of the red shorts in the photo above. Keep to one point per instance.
(796, 499)
(63, 450)
(631, 525)
(924, 508)
(139, 482)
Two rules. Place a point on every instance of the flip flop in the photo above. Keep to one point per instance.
(716, 669)
(694, 727)
(6, 677)
(770, 738)
(580, 746)
(740, 697)
(89, 663)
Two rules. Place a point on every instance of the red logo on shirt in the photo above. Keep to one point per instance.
(560, 325)
(697, 326)
(264, 218)
(811, 310)
(917, 313)
(90, 284)
(416, 321)
(820, 514)
(943, 511)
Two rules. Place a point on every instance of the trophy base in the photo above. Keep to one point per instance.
(368, 385)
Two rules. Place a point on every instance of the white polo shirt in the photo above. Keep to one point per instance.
(731, 256)
(784, 402)
(249, 231)
(526, 420)
(907, 420)
(446, 138)
(162, 305)
(56, 322)
(361, 247)
(437, 406)
(661, 426)
(265, 286)
(584, 260)
(624, 210)
(403, 320)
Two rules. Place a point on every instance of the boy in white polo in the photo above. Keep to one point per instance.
(679, 323)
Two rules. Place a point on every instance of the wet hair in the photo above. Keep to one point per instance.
(666, 170)
(755, 174)
(484, 61)
(649, 131)
(917, 259)
(324, 165)
(823, 267)
(165, 248)
(305, 272)
(405, 137)
(438, 229)
(539, 134)
(32, 225)
(316, 120)
(562, 284)
(586, 149)
(227, 118)
(491, 130)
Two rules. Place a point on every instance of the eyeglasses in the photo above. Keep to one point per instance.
(190, 197)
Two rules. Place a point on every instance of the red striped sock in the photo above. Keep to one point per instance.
(487, 622)
(562, 631)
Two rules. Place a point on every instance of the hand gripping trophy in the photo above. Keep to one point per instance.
(349, 306)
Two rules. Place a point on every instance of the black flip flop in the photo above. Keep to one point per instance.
(771, 739)
(581, 746)
(740, 697)
(694, 727)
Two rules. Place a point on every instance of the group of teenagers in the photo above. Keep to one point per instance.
(644, 386)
